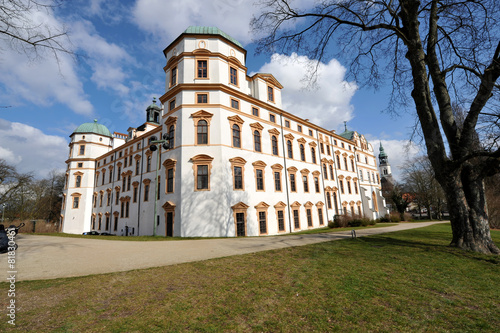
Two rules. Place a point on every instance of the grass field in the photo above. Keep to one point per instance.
(408, 281)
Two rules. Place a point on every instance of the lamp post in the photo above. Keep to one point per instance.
(165, 142)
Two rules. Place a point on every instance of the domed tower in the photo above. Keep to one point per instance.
(153, 113)
(88, 142)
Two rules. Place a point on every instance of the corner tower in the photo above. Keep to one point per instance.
(88, 142)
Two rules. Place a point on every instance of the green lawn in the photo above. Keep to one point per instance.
(408, 281)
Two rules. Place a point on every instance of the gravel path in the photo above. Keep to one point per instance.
(48, 257)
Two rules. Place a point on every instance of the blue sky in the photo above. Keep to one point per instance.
(120, 68)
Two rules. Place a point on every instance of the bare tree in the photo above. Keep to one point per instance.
(21, 30)
(438, 50)
(420, 181)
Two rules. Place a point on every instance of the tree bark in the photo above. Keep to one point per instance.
(468, 212)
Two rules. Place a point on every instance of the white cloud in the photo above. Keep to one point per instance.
(327, 103)
(168, 19)
(39, 77)
(30, 150)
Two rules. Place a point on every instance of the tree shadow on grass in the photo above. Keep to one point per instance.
(434, 241)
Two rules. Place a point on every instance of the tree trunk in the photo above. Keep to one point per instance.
(468, 213)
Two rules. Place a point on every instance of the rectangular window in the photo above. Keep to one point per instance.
(202, 69)
(119, 172)
(328, 149)
(115, 226)
(277, 181)
(255, 112)
(296, 220)
(270, 94)
(107, 223)
(306, 185)
(202, 98)
(76, 202)
(281, 220)
(158, 188)
(137, 164)
(108, 199)
(135, 194)
(320, 216)
(309, 217)
(259, 175)
(80, 165)
(171, 105)
(122, 210)
(110, 175)
(310, 133)
(272, 118)
(287, 123)
(235, 104)
(148, 165)
(170, 180)
(292, 183)
(299, 128)
(262, 223)
(82, 150)
(127, 206)
(322, 147)
(328, 200)
(173, 81)
(233, 76)
(341, 184)
(202, 177)
(117, 197)
(146, 192)
(238, 178)
(103, 176)
(316, 184)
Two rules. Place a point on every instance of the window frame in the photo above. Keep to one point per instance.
(198, 161)
(204, 71)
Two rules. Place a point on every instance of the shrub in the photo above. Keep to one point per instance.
(395, 217)
(331, 224)
(385, 218)
(355, 222)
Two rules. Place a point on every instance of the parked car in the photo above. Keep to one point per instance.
(106, 234)
(92, 233)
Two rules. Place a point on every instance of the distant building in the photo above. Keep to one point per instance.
(386, 180)
(232, 162)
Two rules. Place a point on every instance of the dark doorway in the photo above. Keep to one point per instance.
(170, 224)
(240, 224)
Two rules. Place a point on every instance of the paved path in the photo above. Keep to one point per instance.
(46, 257)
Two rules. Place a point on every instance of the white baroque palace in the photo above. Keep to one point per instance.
(233, 163)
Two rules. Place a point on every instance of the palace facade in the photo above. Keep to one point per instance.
(229, 161)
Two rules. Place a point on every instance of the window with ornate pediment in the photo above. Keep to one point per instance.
(240, 219)
(305, 180)
(280, 215)
(292, 174)
(238, 169)
(308, 206)
(277, 176)
(319, 206)
(202, 166)
(236, 124)
(274, 141)
(169, 166)
(261, 210)
(259, 168)
(202, 126)
(76, 200)
(296, 215)
(257, 136)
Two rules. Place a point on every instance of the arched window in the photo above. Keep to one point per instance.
(302, 153)
(171, 136)
(345, 163)
(256, 141)
(325, 171)
(313, 154)
(338, 162)
(289, 148)
(331, 172)
(236, 136)
(202, 131)
(274, 143)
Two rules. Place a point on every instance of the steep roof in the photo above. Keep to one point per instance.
(93, 128)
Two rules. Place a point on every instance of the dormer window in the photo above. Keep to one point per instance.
(270, 94)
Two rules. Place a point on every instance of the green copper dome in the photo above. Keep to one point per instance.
(211, 31)
(94, 128)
